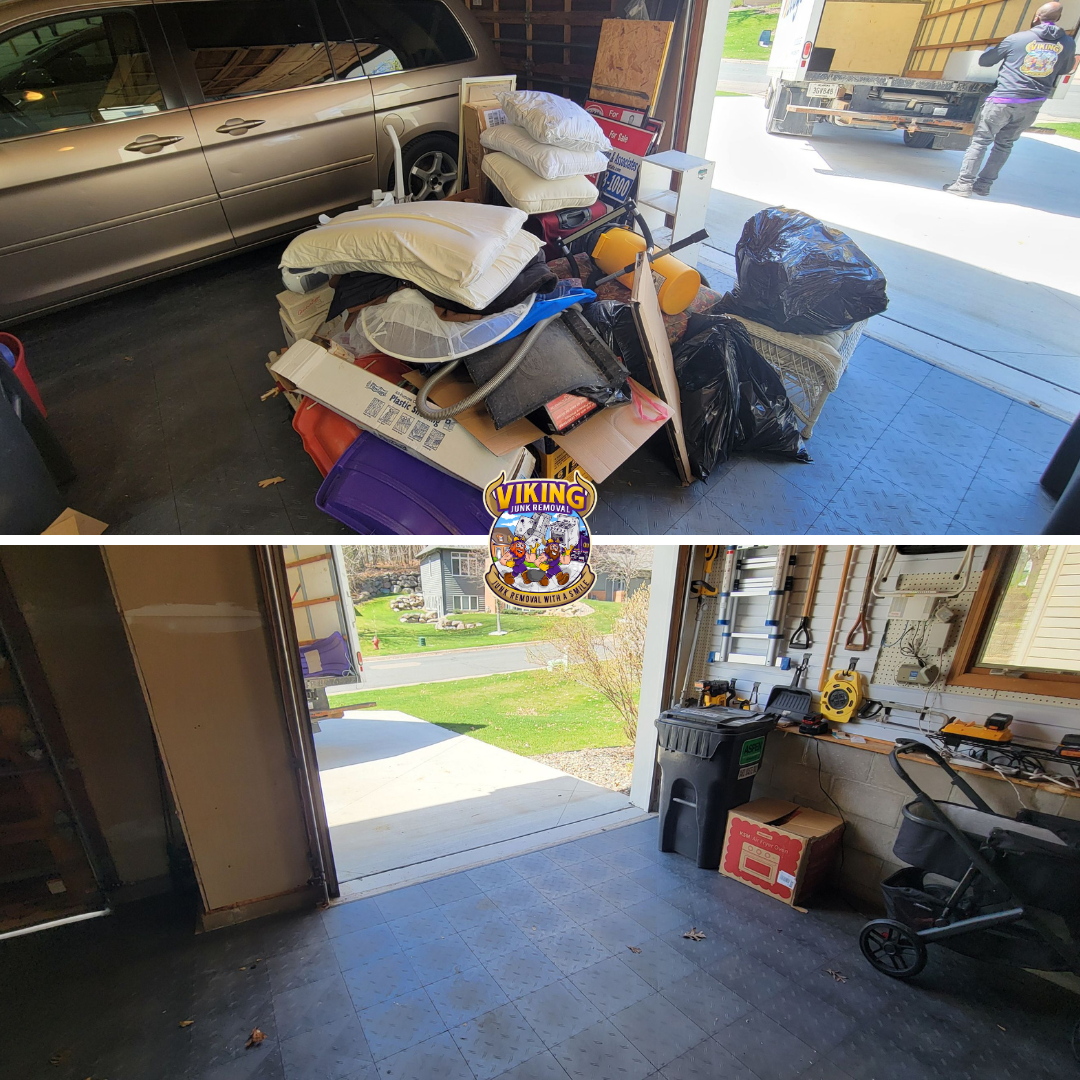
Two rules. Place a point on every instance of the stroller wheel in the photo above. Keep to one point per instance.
(892, 948)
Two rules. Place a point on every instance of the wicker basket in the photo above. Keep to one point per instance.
(810, 366)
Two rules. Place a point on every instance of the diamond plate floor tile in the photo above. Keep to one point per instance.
(387, 977)
(541, 920)
(623, 893)
(355, 915)
(710, 1004)
(707, 1061)
(824, 477)
(531, 864)
(558, 1011)
(705, 518)
(461, 997)
(750, 978)
(334, 1051)
(522, 971)
(618, 931)
(493, 876)
(422, 927)
(363, 946)
(763, 1045)
(1033, 430)
(938, 480)
(885, 362)
(496, 1041)
(446, 890)
(816, 1023)
(1005, 496)
(594, 871)
(395, 1025)
(572, 950)
(659, 964)
(470, 911)
(494, 938)
(304, 965)
(657, 915)
(402, 902)
(510, 898)
(604, 521)
(436, 1057)
(873, 396)
(973, 403)
(935, 426)
(437, 960)
(583, 906)
(658, 1029)
(611, 986)
(762, 501)
(542, 1067)
(602, 1052)
(627, 860)
(311, 1006)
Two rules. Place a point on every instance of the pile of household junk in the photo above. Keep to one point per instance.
(434, 345)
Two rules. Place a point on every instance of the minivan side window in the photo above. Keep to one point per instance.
(243, 47)
(78, 69)
(399, 35)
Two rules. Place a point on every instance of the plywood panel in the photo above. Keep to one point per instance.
(869, 37)
(630, 62)
(199, 636)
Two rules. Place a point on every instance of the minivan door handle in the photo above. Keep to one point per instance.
(151, 144)
(237, 126)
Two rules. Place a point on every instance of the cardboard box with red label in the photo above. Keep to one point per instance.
(781, 849)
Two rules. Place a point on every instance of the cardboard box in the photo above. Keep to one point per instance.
(73, 523)
(780, 849)
(554, 463)
(389, 411)
(476, 117)
(301, 314)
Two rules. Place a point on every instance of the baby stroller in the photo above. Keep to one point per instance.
(996, 888)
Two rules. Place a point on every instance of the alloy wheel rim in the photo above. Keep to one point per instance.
(433, 174)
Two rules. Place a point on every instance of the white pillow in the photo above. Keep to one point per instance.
(554, 120)
(521, 187)
(549, 162)
(455, 240)
(515, 257)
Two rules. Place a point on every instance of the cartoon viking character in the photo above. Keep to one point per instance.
(515, 559)
(551, 564)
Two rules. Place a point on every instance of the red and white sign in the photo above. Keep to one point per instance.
(619, 113)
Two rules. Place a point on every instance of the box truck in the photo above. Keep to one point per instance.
(891, 64)
(325, 622)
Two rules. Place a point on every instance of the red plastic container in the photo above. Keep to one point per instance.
(325, 434)
(22, 372)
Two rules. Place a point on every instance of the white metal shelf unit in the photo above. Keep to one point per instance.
(675, 212)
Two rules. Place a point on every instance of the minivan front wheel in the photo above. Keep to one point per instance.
(430, 167)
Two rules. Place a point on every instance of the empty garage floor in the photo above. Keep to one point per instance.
(566, 963)
(156, 395)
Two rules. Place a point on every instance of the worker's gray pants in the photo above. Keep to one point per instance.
(999, 126)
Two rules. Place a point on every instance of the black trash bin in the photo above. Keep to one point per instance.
(708, 758)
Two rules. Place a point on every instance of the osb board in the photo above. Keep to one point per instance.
(195, 624)
(869, 37)
(630, 62)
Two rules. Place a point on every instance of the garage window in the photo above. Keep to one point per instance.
(465, 563)
(466, 603)
(1023, 631)
(243, 47)
(405, 35)
(74, 71)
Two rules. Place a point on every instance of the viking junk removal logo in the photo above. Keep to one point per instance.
(539, 542)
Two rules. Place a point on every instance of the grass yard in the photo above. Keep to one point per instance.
(526, 712)
(1069, 128)
(743, 30)
(398, 637)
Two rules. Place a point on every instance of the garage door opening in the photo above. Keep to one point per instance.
(470, 729)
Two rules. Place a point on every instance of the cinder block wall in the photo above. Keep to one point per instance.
(870, 796)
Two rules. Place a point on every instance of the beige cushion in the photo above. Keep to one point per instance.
(523, 189)
(549, 162)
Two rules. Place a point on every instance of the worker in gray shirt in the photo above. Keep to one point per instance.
(1032, 61)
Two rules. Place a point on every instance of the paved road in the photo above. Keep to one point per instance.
(412, 668)
(989, 288)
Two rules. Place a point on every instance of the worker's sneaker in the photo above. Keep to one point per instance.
(963, 190)
(981, 189)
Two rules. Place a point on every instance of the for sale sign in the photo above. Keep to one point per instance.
(628, 146)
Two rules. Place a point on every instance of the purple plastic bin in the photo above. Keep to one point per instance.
(376, 488)
(333, 656)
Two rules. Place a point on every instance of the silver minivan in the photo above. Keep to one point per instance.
(140, 137)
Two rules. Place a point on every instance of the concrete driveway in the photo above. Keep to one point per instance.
(986, 288)
(405, 798)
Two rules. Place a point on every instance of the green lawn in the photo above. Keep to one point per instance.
(526, 712)
(398, 637)
(1070, 129)
(743, 30)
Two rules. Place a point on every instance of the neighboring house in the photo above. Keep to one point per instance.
(609, 588)
(501, 539)
(452, 579)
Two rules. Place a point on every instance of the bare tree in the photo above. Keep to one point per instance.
(609, 665)
(622, 562)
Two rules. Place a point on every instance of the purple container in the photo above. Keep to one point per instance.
(376, 488)
(333, 656)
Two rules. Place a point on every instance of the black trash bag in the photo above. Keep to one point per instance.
(798, 275)
(613, 320)
(732, 400)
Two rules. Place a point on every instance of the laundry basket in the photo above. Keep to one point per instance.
(810, 366)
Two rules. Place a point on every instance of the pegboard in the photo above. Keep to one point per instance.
(890, 657)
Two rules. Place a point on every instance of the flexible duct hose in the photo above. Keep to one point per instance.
(489, 387)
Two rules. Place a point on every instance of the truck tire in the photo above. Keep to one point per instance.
(919, 140)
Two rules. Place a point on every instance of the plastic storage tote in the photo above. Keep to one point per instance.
(708, 759)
